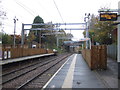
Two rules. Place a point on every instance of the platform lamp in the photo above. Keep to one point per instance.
(15, 19)
(86, 20)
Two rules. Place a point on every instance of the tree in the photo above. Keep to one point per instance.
(30, 38)
(49, 41)
(101, 31)
(7, 39)
(36, 35)
(38, 20)
(2, 17)
(2, 13)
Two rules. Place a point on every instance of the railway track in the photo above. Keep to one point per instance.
(19, 78)
(10, 75)
(6, 70)
(27, 66)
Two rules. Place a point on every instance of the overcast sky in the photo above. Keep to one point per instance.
(72, 11)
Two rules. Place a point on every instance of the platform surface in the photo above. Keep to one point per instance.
(75, 73)
(3, 62)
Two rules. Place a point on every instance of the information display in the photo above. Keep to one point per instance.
(108, 16)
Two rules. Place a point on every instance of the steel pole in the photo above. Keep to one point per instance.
(86, 35)
(15, 19)
(14, 31)
(119, 32)
(118, 54)
(22, 35)
(87, 28)
(57, 41)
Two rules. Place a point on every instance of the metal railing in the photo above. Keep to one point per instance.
(112, 51)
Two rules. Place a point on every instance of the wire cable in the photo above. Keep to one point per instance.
(26, 8)
(58, 10)
(42, 6)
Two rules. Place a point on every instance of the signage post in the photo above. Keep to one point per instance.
(106, 15)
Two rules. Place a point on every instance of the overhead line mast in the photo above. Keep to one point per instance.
(23, 28)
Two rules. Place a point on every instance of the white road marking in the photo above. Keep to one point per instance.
(69, 78)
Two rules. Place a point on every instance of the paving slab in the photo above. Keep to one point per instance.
(82, 77)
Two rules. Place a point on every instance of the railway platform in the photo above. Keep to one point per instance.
(3, 62)
(75, 73)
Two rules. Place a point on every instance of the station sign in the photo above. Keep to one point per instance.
(108, 16)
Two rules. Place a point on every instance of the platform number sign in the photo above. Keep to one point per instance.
(108, 16)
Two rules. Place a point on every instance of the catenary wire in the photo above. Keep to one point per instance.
(58, 10)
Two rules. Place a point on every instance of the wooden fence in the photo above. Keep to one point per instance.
(10, 52)
(16, 46)
(96, 57)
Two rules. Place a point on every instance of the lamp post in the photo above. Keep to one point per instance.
(15, 19)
